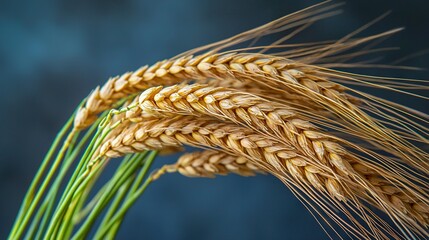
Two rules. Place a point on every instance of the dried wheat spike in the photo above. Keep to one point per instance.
(255, 121)
(209, 163)
(202, 67)
(173, 132)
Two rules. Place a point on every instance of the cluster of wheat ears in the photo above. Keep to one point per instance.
(354, 160)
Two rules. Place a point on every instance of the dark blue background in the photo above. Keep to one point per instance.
(52, 53)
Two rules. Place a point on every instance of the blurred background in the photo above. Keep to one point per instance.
(52, 53)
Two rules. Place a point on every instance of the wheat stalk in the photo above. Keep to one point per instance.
(209, 163)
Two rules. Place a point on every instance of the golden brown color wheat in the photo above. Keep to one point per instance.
(201, 67)
(209, 163)
(160, 133)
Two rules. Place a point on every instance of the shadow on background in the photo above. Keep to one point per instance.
(52, 53)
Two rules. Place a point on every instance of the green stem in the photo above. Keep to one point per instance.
(82, 163)
(131, 200)
(116, 182)
(121, 213)
(29, 212)
(78, 201)
(116, 203)
(120, 196)
(114, 229)
(50, 196)
(35, 222)
(30, 193)
(30, 209)
(97, 197)
(50, 199)
(70, 150)
(69, 161)
(58, 221)
(77, 187)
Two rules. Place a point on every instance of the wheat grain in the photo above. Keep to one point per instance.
(246, 109)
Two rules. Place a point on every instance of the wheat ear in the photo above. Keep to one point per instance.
(201, 67)
(159, 133)
(209, 163)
